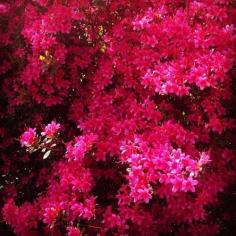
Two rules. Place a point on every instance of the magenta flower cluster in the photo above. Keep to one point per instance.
(132, 108)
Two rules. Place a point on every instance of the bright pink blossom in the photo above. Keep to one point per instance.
(28, 138)
(51, 129)
(73, 231)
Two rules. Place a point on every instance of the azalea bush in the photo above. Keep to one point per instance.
(117, 117)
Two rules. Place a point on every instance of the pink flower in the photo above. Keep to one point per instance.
(73, 231)
(204, 159)
(51, 129)
(4, 8)
(51, 214)
(177, 184)
(28, 138)
(188, 184)
(10, 211)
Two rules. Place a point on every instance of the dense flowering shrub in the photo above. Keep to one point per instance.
(117, 117)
